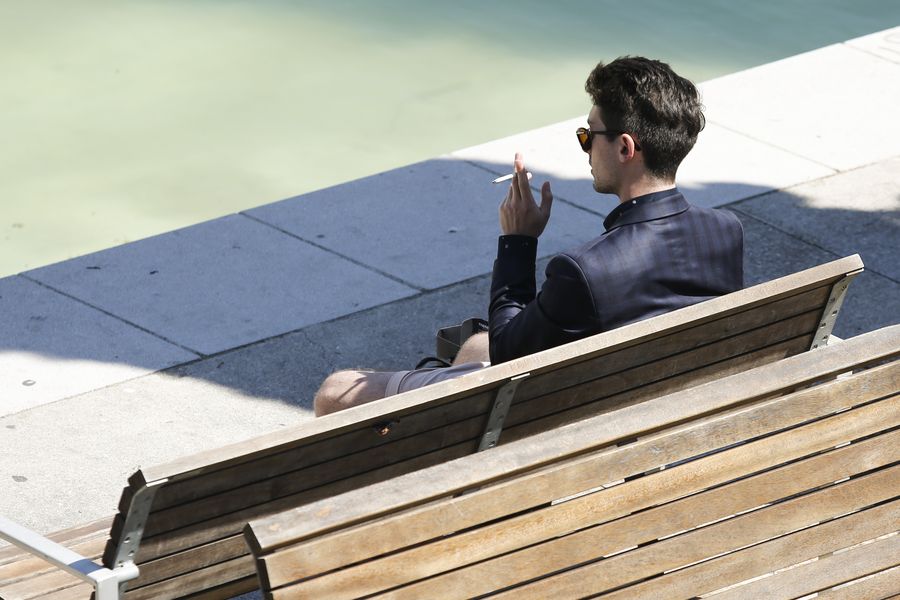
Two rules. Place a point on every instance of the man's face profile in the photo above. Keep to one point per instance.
(598, 156)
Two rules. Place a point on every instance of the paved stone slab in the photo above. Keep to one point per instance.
(853, 212)
(53, 347)
(725, 166)
(885, 44)
(430, 224)
(872, 302)
(836, 105)
(221, 284)
(391, 337)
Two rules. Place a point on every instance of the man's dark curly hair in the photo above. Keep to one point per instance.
(647, 99)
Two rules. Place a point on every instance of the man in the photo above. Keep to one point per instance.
(658, 253)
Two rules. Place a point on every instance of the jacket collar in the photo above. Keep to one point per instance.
(656, 205)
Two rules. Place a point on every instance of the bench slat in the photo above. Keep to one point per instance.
(82, 591)
(228, 590)
(674, 344)
(824, 573)
(206, 579)
(36, 587)
(194, 559)
(759, 560)
(791, 335)
(664, 387)
(321, 517)
(750, 528)
(876, 587)
(563, 519)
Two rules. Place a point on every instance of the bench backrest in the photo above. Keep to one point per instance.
(678, 497)
(181, 522)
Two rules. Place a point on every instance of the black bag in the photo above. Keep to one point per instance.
(449, 340)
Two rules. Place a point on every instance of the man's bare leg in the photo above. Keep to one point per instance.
(344, 389)
(475, 349)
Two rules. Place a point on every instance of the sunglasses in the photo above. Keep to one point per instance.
(586, 137)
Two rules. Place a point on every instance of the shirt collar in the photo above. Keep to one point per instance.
(648, 207)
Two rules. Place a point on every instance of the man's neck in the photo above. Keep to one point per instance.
(643, 186)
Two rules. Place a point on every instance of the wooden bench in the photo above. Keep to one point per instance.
(181, 523)
(792, 463)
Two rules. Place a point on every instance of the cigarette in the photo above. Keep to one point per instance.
(508, 177)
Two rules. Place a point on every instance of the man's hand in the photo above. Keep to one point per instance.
(519, 213)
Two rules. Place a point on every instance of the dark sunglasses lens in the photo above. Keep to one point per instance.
(584, 138)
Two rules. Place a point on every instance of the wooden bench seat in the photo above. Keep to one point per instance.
(181, 523)
(789, 473)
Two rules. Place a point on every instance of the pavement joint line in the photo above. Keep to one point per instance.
(356, 262)
(482, 167)
(113, 315)
(221, 353)
(302, 330)
(536, 189)
(878, 56)
(834, 170)
(806, 241)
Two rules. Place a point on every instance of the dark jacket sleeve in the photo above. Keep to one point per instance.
(523, 322)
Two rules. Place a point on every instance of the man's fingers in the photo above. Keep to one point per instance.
(546, 199)
(523, 185)
(518, 163)
(513, 195)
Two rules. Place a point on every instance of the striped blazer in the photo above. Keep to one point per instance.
(658, 253)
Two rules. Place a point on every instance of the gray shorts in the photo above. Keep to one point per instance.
(404, 381)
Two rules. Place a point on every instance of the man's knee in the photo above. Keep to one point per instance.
(475, 349)
(344, 389)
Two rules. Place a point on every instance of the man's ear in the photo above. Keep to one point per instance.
(628, 147)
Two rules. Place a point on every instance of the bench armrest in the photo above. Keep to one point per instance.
(105, 581)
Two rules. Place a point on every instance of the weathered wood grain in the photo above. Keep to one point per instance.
(743, 530)
(502, 537)
(881, 586)
(327, 515)
(733, 568)
(824, 573)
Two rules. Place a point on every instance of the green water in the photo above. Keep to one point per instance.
(126, 118)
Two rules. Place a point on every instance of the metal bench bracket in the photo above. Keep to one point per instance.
(135, 521)
(502, 402)
(832, 308)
